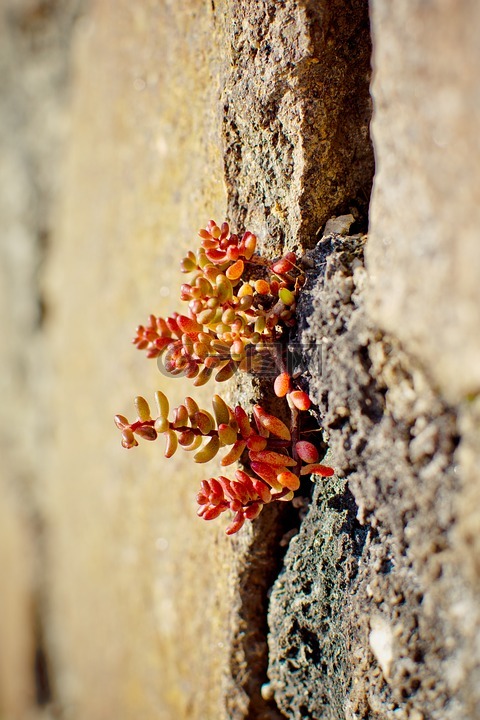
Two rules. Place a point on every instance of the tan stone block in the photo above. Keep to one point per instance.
(423, 253)
(140, 588)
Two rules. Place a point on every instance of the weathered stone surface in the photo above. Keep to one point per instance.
(381, 551)
(297, 112)
(423, 250)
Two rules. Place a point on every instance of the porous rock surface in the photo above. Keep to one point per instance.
(297, 112)
(368, 617)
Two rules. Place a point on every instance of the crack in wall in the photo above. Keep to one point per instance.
(297, 151)
(41, 668)
(249, 652)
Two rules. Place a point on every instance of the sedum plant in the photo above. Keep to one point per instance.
(240, 307)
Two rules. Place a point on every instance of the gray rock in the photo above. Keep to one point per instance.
(376, 549)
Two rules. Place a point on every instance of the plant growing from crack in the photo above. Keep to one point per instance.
(240, 307)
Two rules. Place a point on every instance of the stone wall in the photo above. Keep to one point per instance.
(123, 128)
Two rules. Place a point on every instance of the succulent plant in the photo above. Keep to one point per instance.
(234, 319)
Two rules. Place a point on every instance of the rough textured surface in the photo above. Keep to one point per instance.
(297, 112)
(375, 614)
(423, 248)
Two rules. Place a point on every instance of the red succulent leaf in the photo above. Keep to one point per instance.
(272, 458)
(316, 469)
(300, 399)
(306, 451)
(217, 257)
(282, 384)
(267, 473)
(289, 480)
(236, 523)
